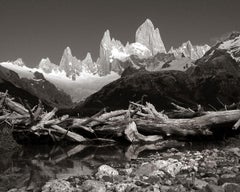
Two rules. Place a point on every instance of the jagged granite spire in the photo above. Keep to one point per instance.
(70, 64)
(47, 66)
(190, 51)
(18, 62)
(147, 35)
(88, 64)
(103, 62)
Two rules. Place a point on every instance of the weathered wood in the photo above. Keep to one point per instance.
(71, 135)
(93, 117)
(139, 124)
(184, 127)
(107, 116)
(134, 150)
(236, 125)
(3, 97)
(133, 136)
(179, 127)
(16, 107)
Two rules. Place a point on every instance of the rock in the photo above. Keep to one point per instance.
(88, 64)
(199, 184)
(147, 35)
(213, 188)
(70, 64)
(57, 186)
(171, 166)
(235, 150)
(106, 171)
(23, 189)
(189, 88)
(47, 66)
(231, 187)
(93, 186)
(226, 176)
(190, 51)
(128, 171)
(164, 188)
(122, 187)
(211, 164)
(211, 180)
(229, 178)
(146, 169)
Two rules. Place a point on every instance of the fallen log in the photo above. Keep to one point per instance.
(133, 136)
(20, 109)
(71, 135)
(139, 124)
(177, 127)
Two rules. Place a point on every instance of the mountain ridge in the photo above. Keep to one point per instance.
(148, 43)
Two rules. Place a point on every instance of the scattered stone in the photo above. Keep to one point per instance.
(106, 171)
(213, 188)
(122, 187)
(58, 186)
(199, 184)
(172, 166)
(23, 189)
(93, 186)
(231, 187)
(235, 151)
(146, 169)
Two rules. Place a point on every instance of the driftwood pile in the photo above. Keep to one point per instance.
(138, 124)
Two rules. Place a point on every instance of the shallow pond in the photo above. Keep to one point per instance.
(33, 166)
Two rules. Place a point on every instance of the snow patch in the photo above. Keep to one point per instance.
(84, 85)
(233, 47)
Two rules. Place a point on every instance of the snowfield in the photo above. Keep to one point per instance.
(233, 47)
(84, 85)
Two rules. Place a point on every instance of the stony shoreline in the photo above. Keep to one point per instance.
(208, 170)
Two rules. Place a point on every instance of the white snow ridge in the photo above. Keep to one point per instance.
(233, 47)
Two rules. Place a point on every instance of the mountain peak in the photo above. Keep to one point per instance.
(88, 58)
(67, 51)
(47, 66)
(45, 60)
(232, 45)
(106, 36)
(147, 35)
(190, 51)
(148, 22)
(19, 62)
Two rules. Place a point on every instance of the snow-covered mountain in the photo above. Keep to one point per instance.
(147, 35)
(80, 78)
(148, 43)
(232, 46)
(78, 89)
(228, 49)
(47, 66)
(190, 51)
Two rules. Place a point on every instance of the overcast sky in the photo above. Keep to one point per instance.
(33, 29)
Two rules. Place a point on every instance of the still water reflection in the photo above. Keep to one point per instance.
(33, 166)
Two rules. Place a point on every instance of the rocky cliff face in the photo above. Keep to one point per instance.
(70, 64)
(88, 65)
(214, 77)
(37, 87)
(190, 51)
(19, 62)
(113, 55)
(47, 66)
(147, 35)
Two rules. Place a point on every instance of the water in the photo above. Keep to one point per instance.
(33, 166)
